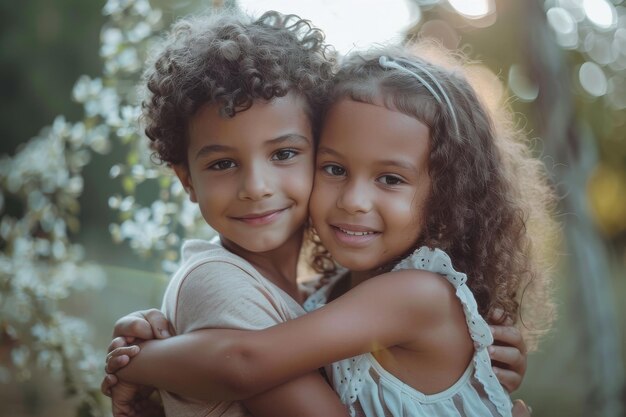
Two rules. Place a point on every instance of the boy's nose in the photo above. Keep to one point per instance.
(256, 184)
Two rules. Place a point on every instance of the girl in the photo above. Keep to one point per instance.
(411, 179)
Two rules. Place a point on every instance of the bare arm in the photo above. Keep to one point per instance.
(305, 396)
(308, 395)
(239, 364)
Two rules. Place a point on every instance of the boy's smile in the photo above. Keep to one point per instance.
(261, 218)
(371, 184)
(252, 174)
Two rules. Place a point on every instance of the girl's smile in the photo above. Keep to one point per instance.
(354, 235)
(371, 184)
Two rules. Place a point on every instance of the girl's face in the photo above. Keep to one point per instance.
(252, 174)
(371, 184)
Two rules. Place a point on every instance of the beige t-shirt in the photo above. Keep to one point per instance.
(215, 288)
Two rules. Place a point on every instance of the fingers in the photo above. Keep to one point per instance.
(520, 409)
(508, 335)
(118, 342)
(509, 356)
(510, 380)
(133, 325)
(509, 364)
(119, 358)
(107, 383)
(116, 363)
(158, 323)
(496, 316)
(144, 324)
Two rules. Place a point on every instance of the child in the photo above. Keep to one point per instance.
(230, 109)
(373, 204)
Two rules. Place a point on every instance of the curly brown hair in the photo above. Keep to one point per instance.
(230, 59)
(490, 205)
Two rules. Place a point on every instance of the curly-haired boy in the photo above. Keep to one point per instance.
(231, 106)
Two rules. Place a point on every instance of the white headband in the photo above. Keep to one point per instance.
(389, 63)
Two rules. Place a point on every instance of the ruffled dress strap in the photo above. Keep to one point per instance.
(437, 261)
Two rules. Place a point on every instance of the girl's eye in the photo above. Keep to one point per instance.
(222, 165)
(334, 170)
(391, 180)
(284, 154)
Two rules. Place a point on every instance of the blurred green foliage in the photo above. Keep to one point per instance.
(44, 47)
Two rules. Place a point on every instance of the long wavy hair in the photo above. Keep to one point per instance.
(490, 205)
(230, 59)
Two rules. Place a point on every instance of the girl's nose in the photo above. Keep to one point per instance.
(355, 198)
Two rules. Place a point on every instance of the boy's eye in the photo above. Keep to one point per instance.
(335, 170)
(391, 180)
(222, 165)
(284, 154)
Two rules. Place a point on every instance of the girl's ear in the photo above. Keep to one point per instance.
(182, 172)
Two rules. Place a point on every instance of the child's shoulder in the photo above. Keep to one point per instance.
(419, 306)
(216, 288)
(421, 291)
(433, 260)
(427, 281)
(211, 255)
(207, 267)
(194, 250)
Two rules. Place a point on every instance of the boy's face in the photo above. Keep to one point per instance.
(252, 174)
(371, 184)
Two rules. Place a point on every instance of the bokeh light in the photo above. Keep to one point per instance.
(564, 26)
(598, 47)
(473, 9)
(521, 85)
(592, 79)
(601, 13)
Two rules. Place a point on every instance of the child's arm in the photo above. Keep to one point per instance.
(508, 353)
(384, 311)
(305, 396)
(308, 395)
(220, 294)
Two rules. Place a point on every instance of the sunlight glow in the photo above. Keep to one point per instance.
(473, 9)
(348, 24)
(601, 13)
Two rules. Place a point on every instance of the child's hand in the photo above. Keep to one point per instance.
(130, 400)
(122, 399)
(119, 357)
(520, 409)
(144, 325)
(508, 353)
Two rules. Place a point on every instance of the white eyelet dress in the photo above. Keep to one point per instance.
(371, 391)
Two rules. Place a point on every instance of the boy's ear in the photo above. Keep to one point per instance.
(182, 172)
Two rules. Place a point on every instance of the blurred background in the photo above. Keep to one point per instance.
(90, 228)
